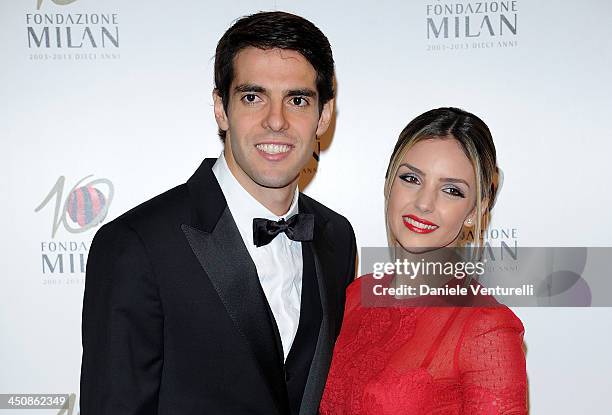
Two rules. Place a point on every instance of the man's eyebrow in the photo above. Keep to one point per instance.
(305, 92)
(249, 88)
(443, 179)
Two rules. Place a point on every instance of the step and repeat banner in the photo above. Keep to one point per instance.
(105, 104)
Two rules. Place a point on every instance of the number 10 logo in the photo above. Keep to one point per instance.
(85, 206)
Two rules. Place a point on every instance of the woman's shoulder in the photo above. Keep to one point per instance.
(359, 287)
(484, 320)
(487, 311)
(366, 279)
(353, 293)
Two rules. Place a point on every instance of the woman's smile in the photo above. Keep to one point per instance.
(418, 225)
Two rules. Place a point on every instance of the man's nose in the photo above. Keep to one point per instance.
(276, 119)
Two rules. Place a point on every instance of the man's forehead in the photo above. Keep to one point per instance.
(273, 66)
(271, 53)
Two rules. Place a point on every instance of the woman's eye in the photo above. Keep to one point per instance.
(299, 101)
(410, 178)
(453, 191)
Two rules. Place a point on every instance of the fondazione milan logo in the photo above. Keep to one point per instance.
(85, 206)
(58, 2)
(457, 24)
(55, 31)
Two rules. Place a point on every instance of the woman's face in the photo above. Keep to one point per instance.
(432, 196)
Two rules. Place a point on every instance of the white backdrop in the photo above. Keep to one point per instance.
(129, 102)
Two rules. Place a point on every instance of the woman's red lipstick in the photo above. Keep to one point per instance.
(418, 225)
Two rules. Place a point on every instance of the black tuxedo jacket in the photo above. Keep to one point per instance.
(175, 320)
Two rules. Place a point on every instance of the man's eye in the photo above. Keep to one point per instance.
(250, 98)
(409, 178)
(453, 191)
(299, 101)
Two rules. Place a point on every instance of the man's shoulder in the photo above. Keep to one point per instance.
(326, 213)
(169, 207)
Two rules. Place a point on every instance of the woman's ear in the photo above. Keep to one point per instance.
(470, 220)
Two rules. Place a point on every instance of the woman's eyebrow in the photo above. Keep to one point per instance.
(411, 167)
(454, 180)
(444, 179)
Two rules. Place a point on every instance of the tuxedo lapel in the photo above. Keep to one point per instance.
(220, 250)
(323, 254)
(222, 254)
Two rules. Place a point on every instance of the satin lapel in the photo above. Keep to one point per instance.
(231, 270)
(323, 253)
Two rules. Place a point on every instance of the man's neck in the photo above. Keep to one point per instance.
(276, 200)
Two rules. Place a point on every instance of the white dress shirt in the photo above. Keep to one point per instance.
(279, 264)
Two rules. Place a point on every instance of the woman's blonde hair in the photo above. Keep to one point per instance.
(477, 143)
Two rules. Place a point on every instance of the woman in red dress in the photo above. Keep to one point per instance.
(418, 359)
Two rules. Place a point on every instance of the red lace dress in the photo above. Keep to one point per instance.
(426, 360)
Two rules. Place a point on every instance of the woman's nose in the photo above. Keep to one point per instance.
(426, 200)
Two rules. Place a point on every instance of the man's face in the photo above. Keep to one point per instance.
(272, 118)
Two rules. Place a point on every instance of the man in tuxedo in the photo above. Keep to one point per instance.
(225, 294)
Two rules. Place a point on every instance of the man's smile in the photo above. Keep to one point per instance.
(274, 151)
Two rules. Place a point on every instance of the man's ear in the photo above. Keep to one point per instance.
(220, 115)
(325, 118)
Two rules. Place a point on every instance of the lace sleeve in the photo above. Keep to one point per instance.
(491, 362)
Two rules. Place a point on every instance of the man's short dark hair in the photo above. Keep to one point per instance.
(271, 30)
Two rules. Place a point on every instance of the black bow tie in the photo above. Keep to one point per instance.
(298, 227)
